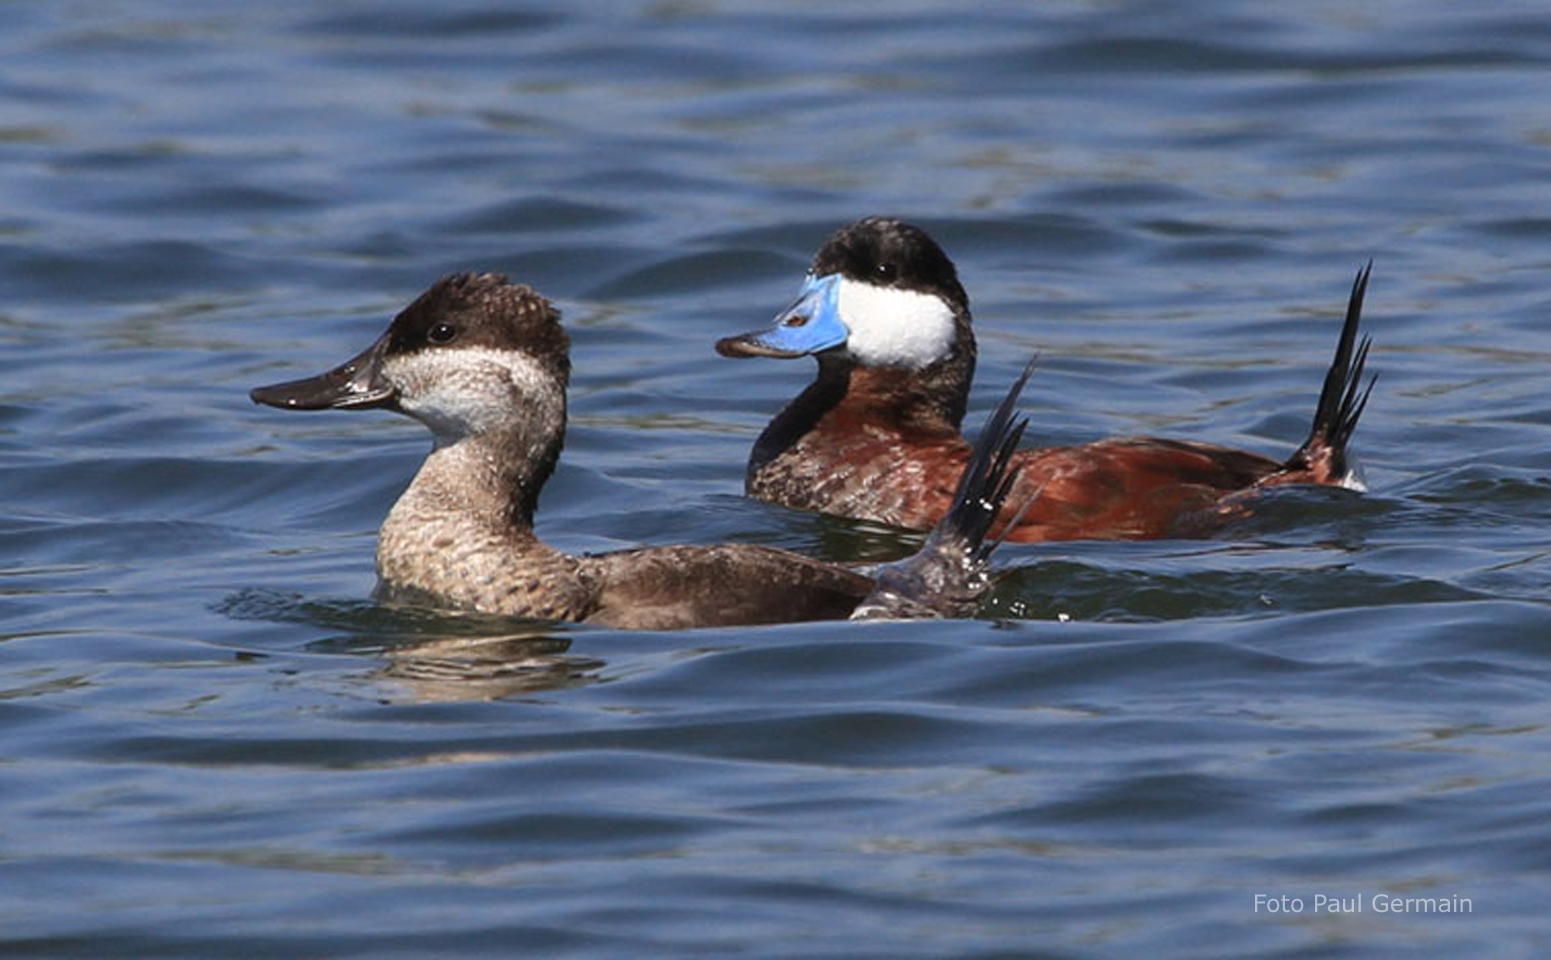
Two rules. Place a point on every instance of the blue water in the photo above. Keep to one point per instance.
(212, 741)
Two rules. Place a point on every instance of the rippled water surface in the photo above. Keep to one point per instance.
(215, 743)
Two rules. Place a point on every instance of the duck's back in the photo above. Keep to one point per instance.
(1129, 489)
(667, 588)
(1123, 489)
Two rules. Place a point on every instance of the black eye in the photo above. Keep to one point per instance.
(887, 272)
(442, 333)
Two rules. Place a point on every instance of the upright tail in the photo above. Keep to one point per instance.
(947, 576)
(1322, 458)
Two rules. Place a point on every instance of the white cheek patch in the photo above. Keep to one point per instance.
(890, 327)
(459, 391)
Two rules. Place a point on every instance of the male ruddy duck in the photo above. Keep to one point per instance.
(876, 435)
(484, 364)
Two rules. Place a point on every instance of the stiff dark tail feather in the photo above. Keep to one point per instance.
(1342, 399)
(946, 577)
(986, 480)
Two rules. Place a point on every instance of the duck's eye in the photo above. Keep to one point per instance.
(887, 272)
(442, 333)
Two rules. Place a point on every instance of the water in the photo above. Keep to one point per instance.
(216, 744)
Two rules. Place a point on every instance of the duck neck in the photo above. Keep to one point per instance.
(463, 533)
(486, 482)
(926, 402)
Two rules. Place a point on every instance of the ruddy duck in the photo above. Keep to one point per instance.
(484, 364)
(876, 435)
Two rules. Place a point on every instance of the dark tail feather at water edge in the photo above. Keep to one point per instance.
(1341, 401)
(946, 577)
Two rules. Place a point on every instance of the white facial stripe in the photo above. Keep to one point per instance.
(890, 327)
(457, 391)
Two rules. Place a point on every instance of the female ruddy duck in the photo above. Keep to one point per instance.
(484, 364)
(876, 435)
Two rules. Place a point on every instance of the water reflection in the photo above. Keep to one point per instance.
(433, 655)
(488, 668)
